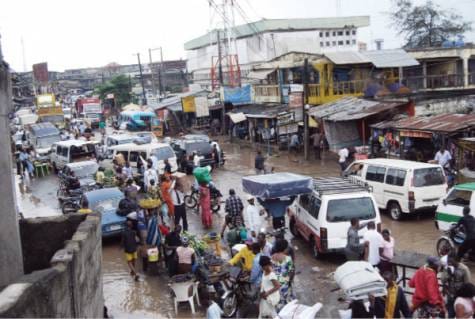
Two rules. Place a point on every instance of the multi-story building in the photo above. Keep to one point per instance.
(264, 40)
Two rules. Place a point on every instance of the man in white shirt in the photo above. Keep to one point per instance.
(343, 157)
(154, 160)
(196, 160)
(150, 174)
(253, 216)
(373, 243)
(443, 157)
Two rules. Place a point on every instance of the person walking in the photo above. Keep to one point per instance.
(354, 249)
(205, 205)
(284, 269)
(166, 187)
(259, 163)
(343, 155)
(233, 208)
(317, 144)
(468, 223)
(129, 244)
(269, 292)
(387, 252)
(454, 276)
(294, 146)
(149, 174)
(178, 199)
(253, 215)
(373, 243)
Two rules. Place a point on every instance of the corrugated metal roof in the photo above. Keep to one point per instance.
(174, 103)
(379, 58)
(267, 25)
(447, 123)
(351, 108)
(262, 110)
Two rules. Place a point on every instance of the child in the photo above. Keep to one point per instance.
(130, 248)
(213, 310)
(270, 286)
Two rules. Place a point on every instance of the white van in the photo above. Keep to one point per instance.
(70, 151)
(401, 186)
(323, 217)
(132, 153)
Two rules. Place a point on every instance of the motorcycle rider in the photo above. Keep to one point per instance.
(427, 293)
(72, 182)
(468, 222)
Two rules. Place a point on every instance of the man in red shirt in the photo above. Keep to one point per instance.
(426, 286)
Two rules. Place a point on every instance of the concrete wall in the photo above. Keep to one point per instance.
(72, 285)
(11, 266)
(463, 104)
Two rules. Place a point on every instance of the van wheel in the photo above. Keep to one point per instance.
(395, 211)
(316, 254)
(293, 228)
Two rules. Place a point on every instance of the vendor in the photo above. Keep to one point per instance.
(277, 207)
(246, 255)
(186, 256)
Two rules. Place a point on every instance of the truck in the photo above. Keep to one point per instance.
(48, 110)
(90, 109)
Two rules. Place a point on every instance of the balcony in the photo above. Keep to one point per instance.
(321, 93)
(434, 82)
(266, 94)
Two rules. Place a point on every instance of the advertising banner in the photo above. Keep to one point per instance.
(201, 105)
(238, 95)
(188, 104)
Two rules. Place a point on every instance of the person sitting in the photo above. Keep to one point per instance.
(245, 256)
(72, 181)
(394, 304)
(186, 257)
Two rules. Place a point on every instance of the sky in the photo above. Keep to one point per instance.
(92, 33)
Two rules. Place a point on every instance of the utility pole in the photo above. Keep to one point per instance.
(144, 102)
(221, 80)
(162, 78)
(305, 107)
(154, 90)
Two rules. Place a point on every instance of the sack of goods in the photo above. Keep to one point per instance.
(202, 174)
(277, 185)
(152, 254)
(357, 279)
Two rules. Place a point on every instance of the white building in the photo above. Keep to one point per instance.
(264, 40)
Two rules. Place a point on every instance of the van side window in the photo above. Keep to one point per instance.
(304, 201)
(375, 174)
(64, 152)
(316, 203)
(58, 150)
(459, 197)
(395, 177)
(134, 156)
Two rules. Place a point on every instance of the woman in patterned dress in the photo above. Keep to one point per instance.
(284, 269)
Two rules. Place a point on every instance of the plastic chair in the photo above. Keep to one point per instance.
(184, 291)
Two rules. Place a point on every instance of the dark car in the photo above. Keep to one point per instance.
(184, 150)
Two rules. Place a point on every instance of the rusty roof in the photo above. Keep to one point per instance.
(446, 123)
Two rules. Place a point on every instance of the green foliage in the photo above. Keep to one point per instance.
(119, 86)
(426, 25)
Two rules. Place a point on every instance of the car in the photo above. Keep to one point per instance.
(450, 209)
(106, 202)
(184, 150)
(402, 187)
(84, 170)
(323, 217)
(70, 151)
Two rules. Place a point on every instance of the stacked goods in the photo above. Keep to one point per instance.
(357, 279)
(277, 185)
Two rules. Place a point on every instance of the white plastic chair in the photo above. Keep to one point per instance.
(184, 291)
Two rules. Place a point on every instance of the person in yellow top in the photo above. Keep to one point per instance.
(393, 305)
(84, 208)
(100, 176)
(245, 257)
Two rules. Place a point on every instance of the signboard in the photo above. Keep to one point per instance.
(285, 118)
(295, 99)
(420, 134)
(294, 88)
(188, 104)
(40, 72)
(110, 96)
(288, 129)
(237, 96)
(49, 110)
(201, 104)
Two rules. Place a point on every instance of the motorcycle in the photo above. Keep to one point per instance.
(240, 293)
(71, 205)
(451, 176)
(192, 199)
(451, 240)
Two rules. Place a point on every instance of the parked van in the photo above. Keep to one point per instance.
(401, 187)
(69, 151)
(41, 136)
(132, 152)
(323, 216)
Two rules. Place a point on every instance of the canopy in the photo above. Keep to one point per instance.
(132, 107)
(237, 117)
(259, 74)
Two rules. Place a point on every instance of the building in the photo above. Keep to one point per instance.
(264, 40)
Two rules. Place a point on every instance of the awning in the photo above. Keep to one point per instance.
(259, 74)
(237, 117)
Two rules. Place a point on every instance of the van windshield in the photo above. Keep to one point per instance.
(47, 141)
(343, 210)
(428, 177)
(163, 153)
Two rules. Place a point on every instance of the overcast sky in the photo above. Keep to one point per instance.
(86, 33)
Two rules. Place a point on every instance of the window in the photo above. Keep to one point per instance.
(334, 43)
(347, 42)
(321, 34)
(334, 33)
(64, 151)
(353, 32)
(304, 202)
(340, 32)
(327, 43)
(428, 177)
(375, 174)
(327, 34)
(342, 210)
(163, 153)
(340, 42)
(395, 177)
(125, 154)
(321, 44)
(316, 203)
(134, 156)
(347, 32)
(58, 150)
(353, 42)
(459, 197)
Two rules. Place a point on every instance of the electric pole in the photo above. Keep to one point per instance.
(144, 102)
(305, 108)
(154, 90)
(221, 80)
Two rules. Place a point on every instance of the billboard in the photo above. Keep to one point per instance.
(201, 104)
(188, 104)
(238, 95)
(40, 72)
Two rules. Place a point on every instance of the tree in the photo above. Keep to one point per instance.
(119, 86)
(426, 25)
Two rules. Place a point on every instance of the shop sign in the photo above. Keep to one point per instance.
(417, 134)
(188, 104)
(295, 99)
(285, 118)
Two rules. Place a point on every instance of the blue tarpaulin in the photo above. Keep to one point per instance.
(277, 185)
(237, 96)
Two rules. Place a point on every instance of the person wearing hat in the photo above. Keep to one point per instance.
(246, 255)
(186, 256)
(426, 286)
(253, 216)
